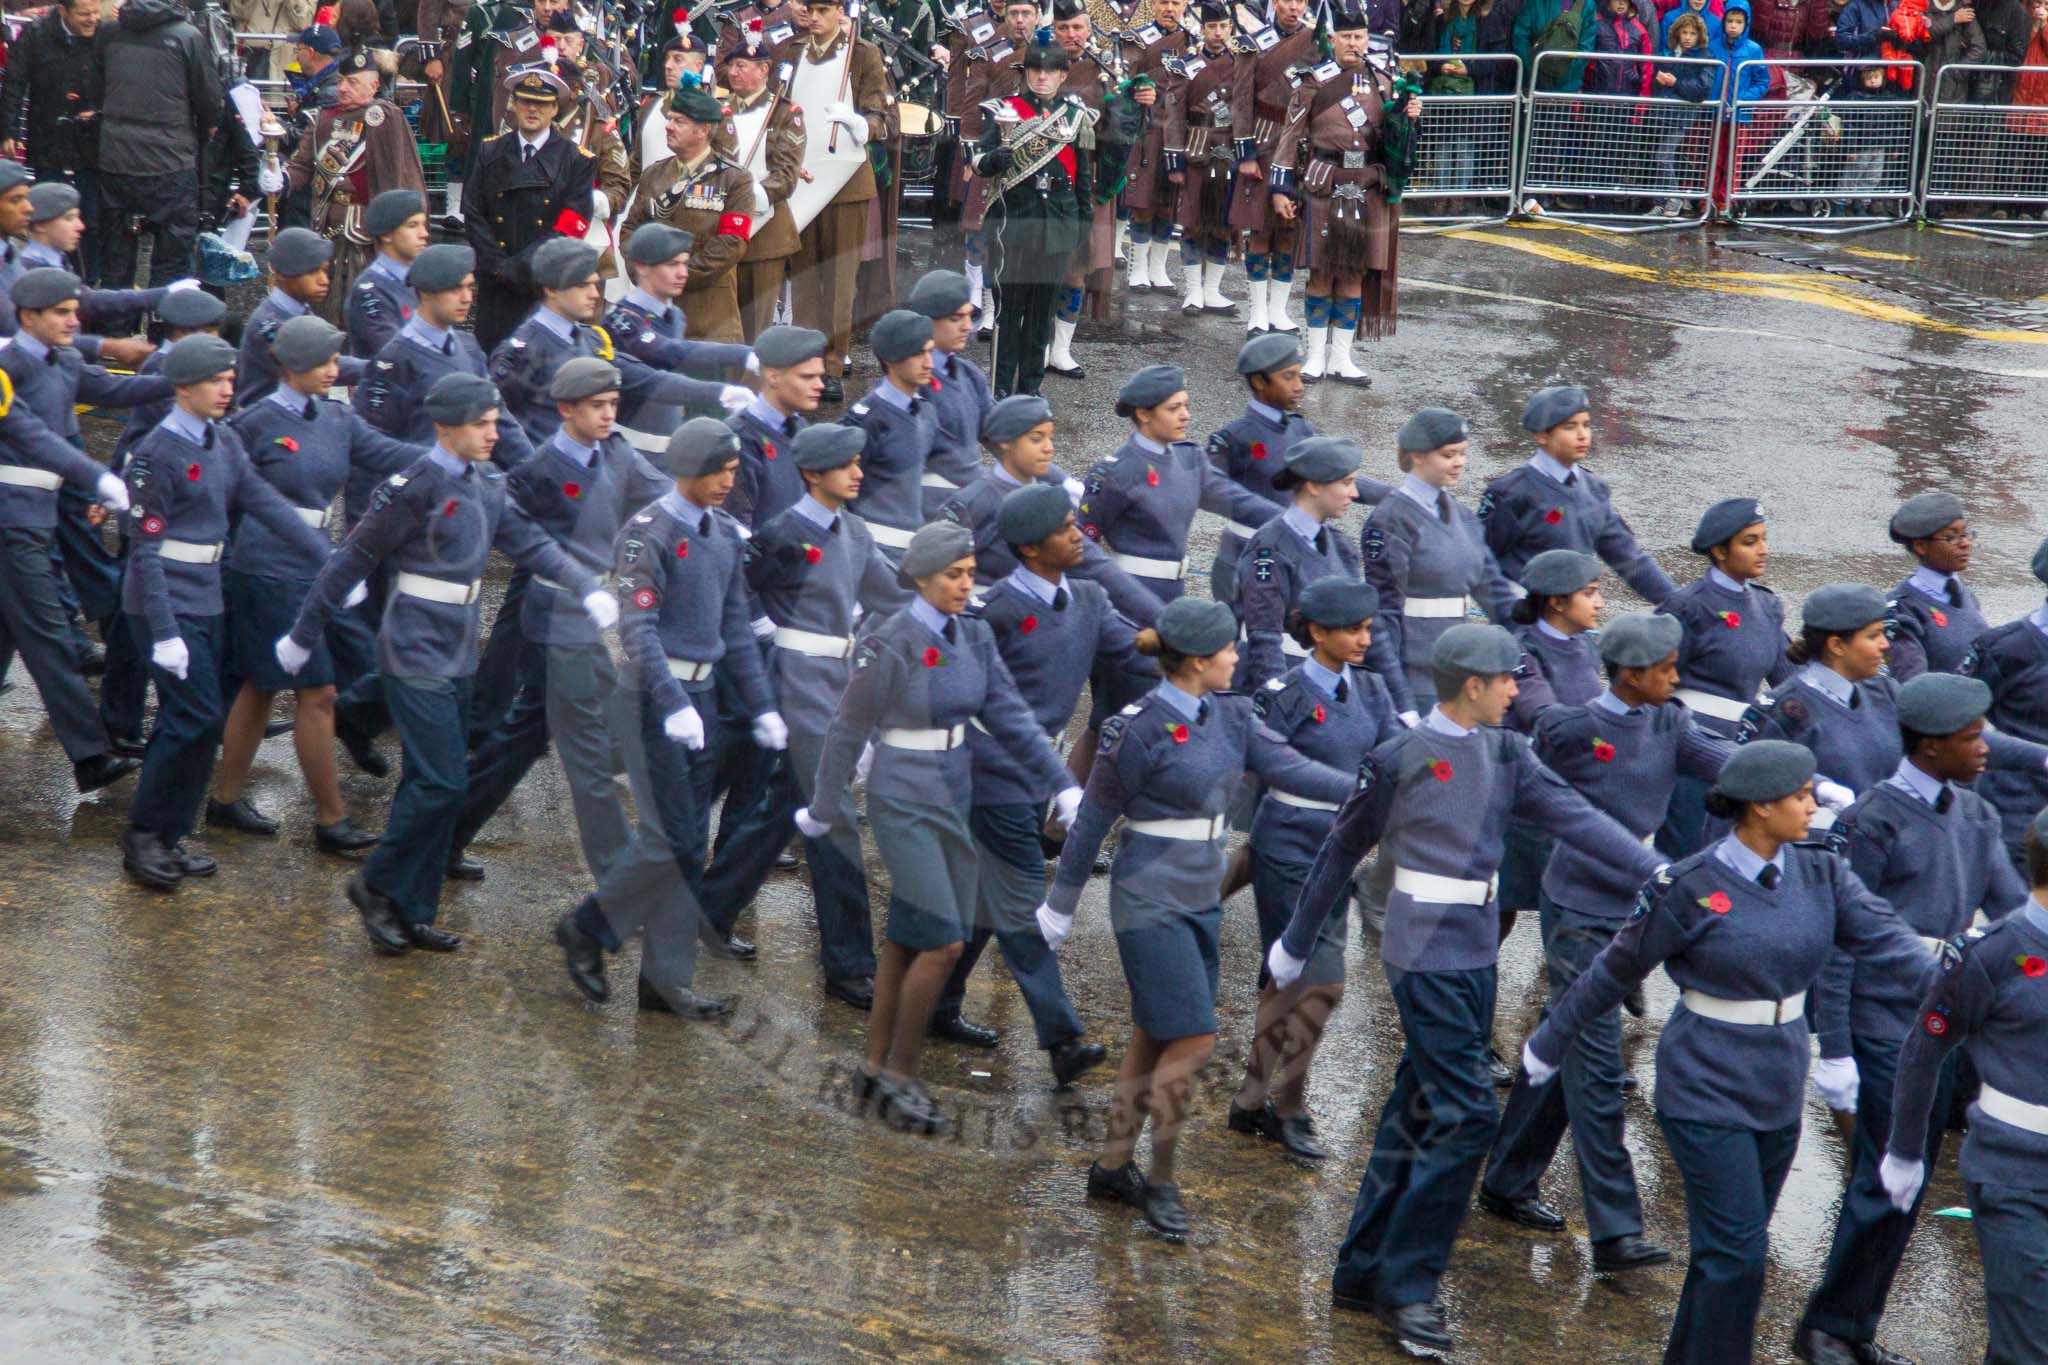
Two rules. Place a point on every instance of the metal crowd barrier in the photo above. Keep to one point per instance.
(1464, 171)
(1988, 155)
(1635, 161)
(1806, 159)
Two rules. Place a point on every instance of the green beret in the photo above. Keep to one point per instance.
(827, 445)
(696, 104)
(700, 446)
(936, 545)
(1477, 650)
(1552, 406)
(1724, 521)
(195, 358)
(457, 398)
(441, 267)
(1196, 626)
(389, 211)
(1765, 770)
(1942, 703)
(1640, 639)
(298, 251)
(1925, 515)
(585, 376)
(304, 343)
(1559, 573)
(1033, 512)
(1337, 602)
(45, 287)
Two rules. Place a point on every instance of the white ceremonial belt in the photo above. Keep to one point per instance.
(688, 670)
(1762, 1012)
(192, 551)
(1290, 799)
(1238, 528)
(889, 536)
(1172, 570)
(1431, 889)
(653, 443)
(814, 643)
(1204, 829)
(1434, 608)
(439, 589)
(1709, 704)
(316, 517)
(975, 721)
(2012, 1109)
(932, 741)
(931, 480)
(1933, 945)
(21, 476)
(1823, 820)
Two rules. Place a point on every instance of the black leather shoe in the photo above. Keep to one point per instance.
(1074, 1058)
(1071, 372)
(857, 991)
(785, 861)
(463, 868)
(585, 958)
(1298, 1137)
(1125, 1184)
(101, 770)
(1501, 1073)
(681, 1001)
(737, 948)
(1870, 1353)
(1530, 1212)
(147, 860)
(950, 1024)
(1257, 1122)
(429, 939)
(192, 864)
(1164, 1211)
(1416, 1327)
(905, 1106)
(92, 660)
(344, 836)
(834, 392)
(1627, 1252)
(276, 728)
(123, 747)
(380, 918)
(1629, 1083)
(238, 814)
(1816, 1347)
(362, 751)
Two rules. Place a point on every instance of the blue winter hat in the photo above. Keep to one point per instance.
(1431, 429)
(1151, 386)
(1318, 459)
(457, 397)
(1033, 512)
(1196, 626)
(827, 445)
(1013, 416)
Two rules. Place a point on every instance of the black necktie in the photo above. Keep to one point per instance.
(1955, 593)
(1768, 878)
(49, 357)
(1202, 712)
(310, 410)
(704, 526)
(1571, 478)
(527, 153)
(832, 529)
(1343, 690)
(789, 426)
(1945, 798)
(1443, 507)
(948, 631)
(668, 317)
(1322, 541)
(1059, 599)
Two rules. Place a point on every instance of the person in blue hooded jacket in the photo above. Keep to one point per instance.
(1731, 45)
(1858, 25)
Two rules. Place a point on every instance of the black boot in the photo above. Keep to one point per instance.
(585, 958)
(147, 860)
(101, 770)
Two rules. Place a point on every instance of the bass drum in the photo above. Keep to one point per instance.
(921, 128)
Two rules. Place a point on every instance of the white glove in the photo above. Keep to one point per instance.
(604, 609)
(1539, 1070)
(1284, 967)
(753, 363)
(763, 205)
(1411, 719)
(1837, 1081)
(734, 398)
(171, 656)
(270, 179)
(866, 761)
(1053, 926)
(291, 655)
(1066, 806)
(357, 595)
(1902, 1180)
(686, 728)
(1833, 795)
(770, 732)
(113, 493)
(175, 285)
(809, 828)
(849, 118)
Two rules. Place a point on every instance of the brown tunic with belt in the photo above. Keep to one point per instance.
(1328, 157)
(440, 23)
(1265, 83)
(349, 158)
(990, 74)
(1199, 128)
(1094, 262)
(1146, 52)
(713, 201)
(783, 140)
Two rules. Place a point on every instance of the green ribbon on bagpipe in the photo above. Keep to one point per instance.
(1397, 136)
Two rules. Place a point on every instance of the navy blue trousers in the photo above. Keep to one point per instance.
(498, 667)
(1006, 909)
(33, 618)
(179, 762)
(94, 574)
(1732, 1179)
(408, 863)
(2012, 1242)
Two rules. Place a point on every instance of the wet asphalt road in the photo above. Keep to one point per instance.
(227, 1132)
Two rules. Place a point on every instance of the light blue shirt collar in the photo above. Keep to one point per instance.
(893, 396)
(537, 142)
(184, 424)
(36, 350)
(1924, 785)
(42, 253)
(1423, 495)
(291, 306)
(1005, 478)
(1543, 464)
(448, 460)
(2039, 618)
(1301, 523)
(1614, 705)
(1552, 631)
(930, 616)
(291, 400)
(1325, 681)
(574, 449)
(1725, 581)
(555, 322)
(386, 264)
(2036, 916)
(1267, 411)
(422, 330)
(1743, 859)
(1147, 444)
(1932, 583)
(1828, 683)
(815, 512)
(765, 412)
(683, 510)
(1188, 707)
(1436, 720)
(646, 302)
(1028, 582)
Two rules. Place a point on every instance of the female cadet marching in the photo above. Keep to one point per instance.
(919, 677)
(1931, 616)
(1744, 928)
(1293, 550)
(1197, 123)
(2013, 661)
(1339, 166)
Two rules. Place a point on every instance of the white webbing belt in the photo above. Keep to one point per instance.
(1759, 1012)
(889, 536)
(928, 740)
(650, 442)
(1434, 608)
(1204, 829)
(1709, 704)
(22, 476)
(1171, 570)
(814, 643)
(438, 589)
(2012, 1109)
(1290, 799)
(191, 551)
(1435, 890)
(315, 517)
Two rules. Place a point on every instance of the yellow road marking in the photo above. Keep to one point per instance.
(1874, 254)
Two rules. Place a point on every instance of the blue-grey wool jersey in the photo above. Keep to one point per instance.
(978, 506)
(1440, 804)
(1718, 932)
(582, 508)
(658, 341)
(1138, 501)
(1333, 732)
(682, 596)
(960, 398)
(1526, 511)
(769, 480)
(53, 383)
(906, 676)
(805, 577)
(1411, 553)
(1554, 672)
(1734, 643)
(255, 367)
(1930, 634)
(523, 365)
(40, 428)
(1276, 565)
(431, 522)
(192, 491)
(1990, 999)
(2013, 661)
(900, 440)
(307, 460)
(143, 416)
(380, 303)
(392, 398)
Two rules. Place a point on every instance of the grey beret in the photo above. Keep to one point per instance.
(1196, 626)
(1319, 459)
(828, 445)
(45, 287)
(1033, 512)
(1482, 650)
(584, 377)
(1923, 516)
(190, 308)
(13, 175)
(50, 199)
(1842, 608)
(1336, 601)
(940, 293)
(1558, 403)
(2040, 827)
(654, 243)
(194, 358)
(457, 398)
(1640, 639)
(298, 251)
(1724, 521)
(1942, 703)
(899, 334)
(2039, 564)
(781, 347)
(563, 263)
(1269, 351)
(1560, 573)
(440, 268)
(1765, 770)
(1151, 386)
(935, 545)
(389, 210)
(304, 342)
(1013, 416)
(700, 446)
(1431, 428)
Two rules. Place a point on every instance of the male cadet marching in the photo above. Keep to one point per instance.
(1151, 55)
(437, 524)
(1293, 550)
(757, 116)
(959, 393)
(1198, 150)
(989, 72)
(684, 623)
(1253, 447)
(55, 230)
(902, 426)
(792, 378)
(648, 325)
(382, 300)
(299, 259)
(185, 480)
(711, 199)
(1264, 84)
(843, 72)
(527, 187)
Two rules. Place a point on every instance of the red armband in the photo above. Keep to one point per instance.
(735, 225)
(571, 223)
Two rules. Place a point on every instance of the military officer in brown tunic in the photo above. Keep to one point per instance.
(764, 133)
(1198, 161)
(987, 71)
(1338, 167)
(711, 199)
(1260, 92)
(838, 81)
(1152, 55)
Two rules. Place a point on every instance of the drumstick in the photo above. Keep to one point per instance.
(845, 77)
